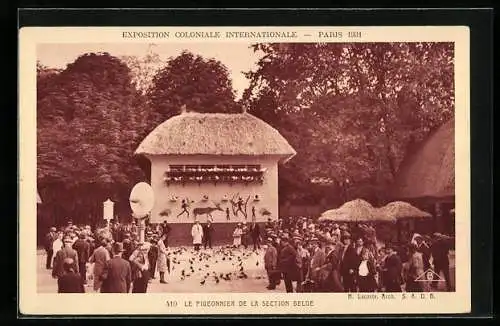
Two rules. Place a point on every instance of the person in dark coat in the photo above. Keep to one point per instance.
(207, 235)
(61, 255)
(166, 229)
(329, 279)
(82, 247)
(49, 240)
(255, 233)
(366, 273)
(349, 264)
(70, 281)
(271, 263)
(440, 249)
(117, 274)
(128, 246)
(153, 256)
(139, 263)
(392, 270)
(287, 262)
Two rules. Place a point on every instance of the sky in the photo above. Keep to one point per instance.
(237, 57)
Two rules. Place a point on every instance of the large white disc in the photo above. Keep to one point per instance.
(141, 199)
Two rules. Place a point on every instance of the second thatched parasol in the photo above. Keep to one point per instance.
(401, 210)
(357, 210)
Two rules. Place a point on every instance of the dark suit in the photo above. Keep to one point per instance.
(70, 283)
(166, 229)
(207, 235)
(441, 261)
(393, 277)
(255, 232)
(348, 267)
(49, 240)
(82, 248)
(287, 262)
(58, 270)
(117, 276)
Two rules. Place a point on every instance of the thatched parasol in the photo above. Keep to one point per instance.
(428, 170)
(215, 134)
(357, 210)
(401, 210)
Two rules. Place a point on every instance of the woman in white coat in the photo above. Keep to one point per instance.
(197, 234)
(162, 261)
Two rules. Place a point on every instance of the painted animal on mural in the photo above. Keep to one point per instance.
(207, 210)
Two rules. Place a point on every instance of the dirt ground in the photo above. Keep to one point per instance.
(242, 271)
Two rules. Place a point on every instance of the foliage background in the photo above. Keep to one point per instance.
(351, 111)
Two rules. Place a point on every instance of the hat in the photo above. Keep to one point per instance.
(346, 235)
(53, 229)
(68, 261)
(67, 239)
(314, 239)
(117, 247)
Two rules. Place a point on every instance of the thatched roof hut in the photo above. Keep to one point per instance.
(429, 170)
(215, 134)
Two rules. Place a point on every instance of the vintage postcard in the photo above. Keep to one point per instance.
(244, 170)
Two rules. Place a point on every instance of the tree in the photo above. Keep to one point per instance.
(202, 85)
(143, 69)
(90, 120)
(351, 110)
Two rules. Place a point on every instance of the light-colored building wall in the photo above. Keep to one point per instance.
(194, 192)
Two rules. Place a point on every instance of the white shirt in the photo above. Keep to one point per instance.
(57, 245)
(363, 268)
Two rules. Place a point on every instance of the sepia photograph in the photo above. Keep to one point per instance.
(280, 169)
(289, 167)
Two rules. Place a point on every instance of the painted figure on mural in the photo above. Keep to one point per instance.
(184, 206)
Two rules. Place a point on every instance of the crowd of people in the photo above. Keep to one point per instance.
(328, 257)
(308, 256)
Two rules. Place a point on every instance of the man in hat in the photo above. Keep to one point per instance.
(270, 264)
(330, 279)
(128, 246)
(255, 233)
(49, 241)
(61, 255)
(317, 260)
(99, 257)
(392, 270)
(348, 264)
(70, 281)
(153, 256)
(140, 268)
(287, 262)
(117, 275)
(440, 249)
(165, 229)
(207, 235)
(197, 234)
(302, 261)
(82, 247)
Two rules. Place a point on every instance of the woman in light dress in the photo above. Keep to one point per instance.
(237, 233)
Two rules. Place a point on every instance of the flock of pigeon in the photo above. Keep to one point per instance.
(215, 265)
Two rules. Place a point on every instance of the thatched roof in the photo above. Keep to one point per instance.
(357, 210)
(400, 210)
(215, 134)
(429, 170)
